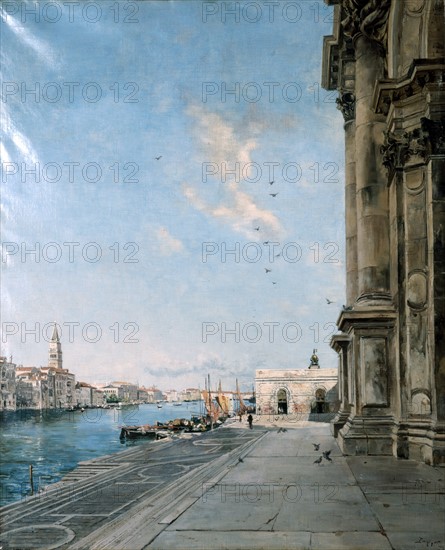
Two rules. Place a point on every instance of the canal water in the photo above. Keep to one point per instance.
(55, 441)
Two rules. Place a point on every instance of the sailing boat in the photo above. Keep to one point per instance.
(242, 407)
(223, 401)
(212, 410)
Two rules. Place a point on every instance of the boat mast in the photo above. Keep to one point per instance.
(210, 404)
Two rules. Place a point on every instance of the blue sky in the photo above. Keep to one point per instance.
(151, 74)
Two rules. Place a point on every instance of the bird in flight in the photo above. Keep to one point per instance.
(271, 182)
(240, 459)
(277, 255)
(329, 301)
(257, 228)
(326, 455)
(316, 446)
(318, 461)
(273, 194)
(266, 242)
(267, 270)
(158, 158)
(274, 282)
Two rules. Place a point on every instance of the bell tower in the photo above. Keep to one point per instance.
(55, 350)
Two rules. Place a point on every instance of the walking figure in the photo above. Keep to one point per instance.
(250, 420)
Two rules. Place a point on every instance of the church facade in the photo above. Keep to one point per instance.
(386, 58)
(297, 392)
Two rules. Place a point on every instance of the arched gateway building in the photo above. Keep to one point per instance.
(299, 391)
(386, 58)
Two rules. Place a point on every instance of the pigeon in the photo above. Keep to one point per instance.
(256, 228)
(329, 301)
(326, 455)
(316, 446)
(267, 270)
(158, 158)
(318, 461)
(240, 459)
(347, 308)
(273, 194)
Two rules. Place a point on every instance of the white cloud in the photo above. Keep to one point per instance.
(167, 243)
(220, 144)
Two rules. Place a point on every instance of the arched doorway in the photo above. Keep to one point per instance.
(320, 400)
(282, 401)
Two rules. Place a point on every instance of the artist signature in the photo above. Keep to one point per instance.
(429, 543)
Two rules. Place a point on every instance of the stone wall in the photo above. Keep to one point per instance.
(386, 58)
(296, 391)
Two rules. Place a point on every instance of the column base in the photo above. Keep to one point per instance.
(339, 421)
(366, 435)
(422, 440)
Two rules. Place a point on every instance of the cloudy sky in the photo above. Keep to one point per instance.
(155, 268)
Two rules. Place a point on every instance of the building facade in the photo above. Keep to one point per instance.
(7, 385)
(387, 60)
(299, 391)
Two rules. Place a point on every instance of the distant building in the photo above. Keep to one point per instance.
(154, 394)
(190, 394)
(113, 390)
(51, 387)
(61, 387)
(142, 395)
(32, 388)
(55, 350)
(311, 390)
(7, 385)
(129, 390)
(89, 396)
(171, 395)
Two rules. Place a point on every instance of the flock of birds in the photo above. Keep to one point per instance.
(325, 454)
(328, 301)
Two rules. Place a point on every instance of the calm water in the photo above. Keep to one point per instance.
(54, 442)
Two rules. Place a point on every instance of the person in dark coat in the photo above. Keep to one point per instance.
(250, 420)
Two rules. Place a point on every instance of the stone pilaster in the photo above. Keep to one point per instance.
(372, 380)
(414, 154)
(340, 343)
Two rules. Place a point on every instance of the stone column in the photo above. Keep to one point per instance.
(371, 181)
(346, 103)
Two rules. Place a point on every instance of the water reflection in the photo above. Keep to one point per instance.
(55, 441)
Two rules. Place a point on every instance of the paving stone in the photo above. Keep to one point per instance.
(230, 540)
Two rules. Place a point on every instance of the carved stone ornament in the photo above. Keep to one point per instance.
(397, 149)
(346, 104)
(425, 141)
(369, 17)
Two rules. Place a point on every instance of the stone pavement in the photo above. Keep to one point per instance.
(197, 494)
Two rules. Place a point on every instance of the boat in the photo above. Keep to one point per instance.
(147, 432)
(177, 403)
(159, 406)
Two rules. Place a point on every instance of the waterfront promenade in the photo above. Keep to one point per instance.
(236, 488)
